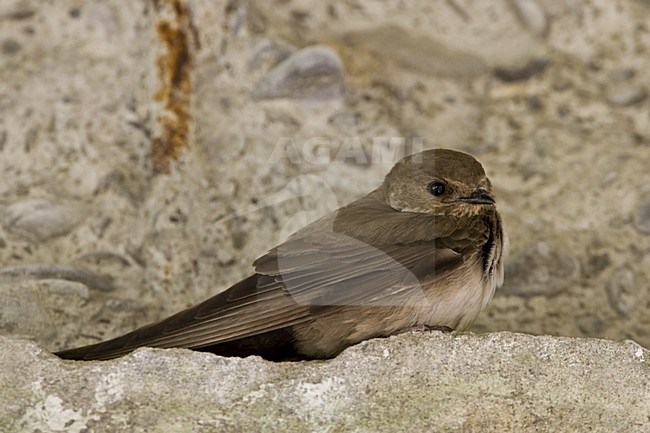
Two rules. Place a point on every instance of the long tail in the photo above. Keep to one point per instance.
(276, 345)
(241, 321)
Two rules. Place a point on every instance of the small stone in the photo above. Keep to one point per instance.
(3, 140)
(590, 325)
(540, 269)
(283, 117)
(597, 263)
(532, 15)
(521, 73)
(621, 291)
(21, 12)
(38, 219)
(642, 222)
(625, 94)
(106, 182)
(100, 225)
(40, 309)
(313, 73)
(345, 120)
(105, 258)
(10, 47)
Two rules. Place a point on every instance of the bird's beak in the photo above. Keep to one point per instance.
(479, 196)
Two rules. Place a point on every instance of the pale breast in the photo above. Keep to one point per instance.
(455, 300)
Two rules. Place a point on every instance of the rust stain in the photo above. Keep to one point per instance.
(178, 34)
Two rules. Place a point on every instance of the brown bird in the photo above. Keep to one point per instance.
(424, 250)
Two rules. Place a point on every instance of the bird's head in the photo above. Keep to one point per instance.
(439, 182)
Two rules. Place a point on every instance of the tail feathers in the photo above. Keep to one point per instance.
(240, 321)
(99, 351)
(277, 345)
(114, 348)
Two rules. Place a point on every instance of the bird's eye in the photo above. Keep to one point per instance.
(437, 188)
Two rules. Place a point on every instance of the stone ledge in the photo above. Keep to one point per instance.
(496, 382)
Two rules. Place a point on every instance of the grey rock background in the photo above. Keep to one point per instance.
(551, 96)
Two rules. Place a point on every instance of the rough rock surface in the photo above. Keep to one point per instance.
(414, 382)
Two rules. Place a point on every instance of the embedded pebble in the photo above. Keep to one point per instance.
(46, 271)
(9, 47)
(596, 263)
(313, 73)
(539, 269)
(642, 221)
(590, 325)
(40, 309)
(345, 120)
(20, 11)
(625, 94)
(532, 15)
(38, 219)
(521, 73)
(105, 258)
(100, 225)
(621, 291)
(3, 140)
